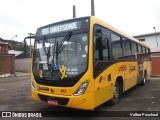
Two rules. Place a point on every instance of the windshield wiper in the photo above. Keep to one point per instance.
(60, 47)
(66, 38)
(48, 53)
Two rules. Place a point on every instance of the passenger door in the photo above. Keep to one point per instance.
(101, 62)
(140, 62)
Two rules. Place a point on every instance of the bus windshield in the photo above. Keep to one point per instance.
(69, 51)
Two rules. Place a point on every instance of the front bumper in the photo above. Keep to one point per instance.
(85, 101)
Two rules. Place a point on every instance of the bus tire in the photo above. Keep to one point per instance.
(144, 79)
(116, 94)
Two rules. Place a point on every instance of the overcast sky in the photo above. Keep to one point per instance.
(20, 17)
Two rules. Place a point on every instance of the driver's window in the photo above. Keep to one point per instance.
(101, 44)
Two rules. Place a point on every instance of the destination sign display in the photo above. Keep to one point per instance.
(60, 28)
(65, 26)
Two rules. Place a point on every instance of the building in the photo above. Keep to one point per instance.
(152, 40)
(4, 47)
(7, 61)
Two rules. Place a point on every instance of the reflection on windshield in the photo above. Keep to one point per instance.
(57, 57)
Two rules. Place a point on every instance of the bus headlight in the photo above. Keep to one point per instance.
(82, 88)
(32, 85)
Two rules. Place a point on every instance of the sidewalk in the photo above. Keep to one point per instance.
(21, 74)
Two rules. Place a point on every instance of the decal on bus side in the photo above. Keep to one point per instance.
(122, 68)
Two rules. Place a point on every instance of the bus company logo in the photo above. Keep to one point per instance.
(122, 68)
(43, 88)
(52, 90)
(132, 68)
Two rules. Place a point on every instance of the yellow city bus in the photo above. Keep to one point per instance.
(84, 62)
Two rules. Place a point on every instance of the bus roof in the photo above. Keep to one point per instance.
(100, 22)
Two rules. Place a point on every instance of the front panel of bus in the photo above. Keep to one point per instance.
(61, 73)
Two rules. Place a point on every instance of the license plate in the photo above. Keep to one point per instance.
(53, 102)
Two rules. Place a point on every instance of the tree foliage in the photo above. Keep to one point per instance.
(18, 46)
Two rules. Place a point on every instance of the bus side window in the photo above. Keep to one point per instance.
(143, 49)
(134, 49)
(116, 46)
(101, 52)
(98, 45)
(139, 49)
(105, 42)
(126, 48)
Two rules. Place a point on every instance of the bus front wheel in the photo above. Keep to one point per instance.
(116, 94)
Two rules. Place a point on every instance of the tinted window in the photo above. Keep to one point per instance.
(139, 49)
(143, 50)
(134, 48)
(146, 50)
(126, 47)
(116, 46)
(101, 49)
(101, 39)
(105, 43)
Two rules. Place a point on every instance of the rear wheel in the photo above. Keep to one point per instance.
(144, 79)
(116, 94)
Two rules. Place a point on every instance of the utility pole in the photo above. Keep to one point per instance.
(92, 8)
(156, 35)
(30, 34)
(74, 11)
(13, 45)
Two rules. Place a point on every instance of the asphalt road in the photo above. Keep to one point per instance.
(15, 95)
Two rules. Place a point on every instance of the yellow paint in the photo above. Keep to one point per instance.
(96, 93)
(63, 71)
